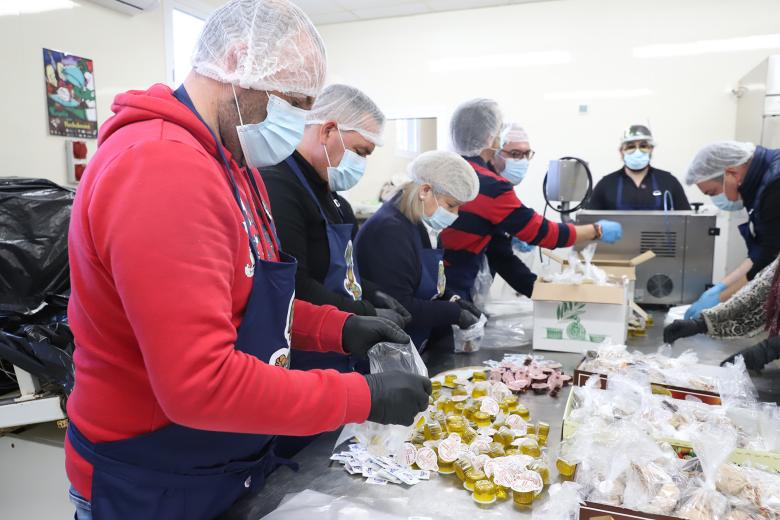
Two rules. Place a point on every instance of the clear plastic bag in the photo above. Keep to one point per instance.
(592, 272)
(482, 283)
(470, 339)
(675, 313)
(713, 446)
(385, 357)
(379, 439)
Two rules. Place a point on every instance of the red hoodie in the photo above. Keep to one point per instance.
(157, 256)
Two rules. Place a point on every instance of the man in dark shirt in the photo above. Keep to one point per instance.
(638, 185)
(342, 129)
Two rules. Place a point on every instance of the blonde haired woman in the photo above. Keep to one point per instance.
(394, 249)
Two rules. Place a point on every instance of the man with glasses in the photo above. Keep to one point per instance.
(513, 158)
(481, 237)
(638, 185)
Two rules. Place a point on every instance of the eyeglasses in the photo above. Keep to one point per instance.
(517, 154)
(642, 147)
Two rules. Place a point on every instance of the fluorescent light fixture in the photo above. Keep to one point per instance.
(501, 61)
(748, 43)
(17, 7)
(599, 94)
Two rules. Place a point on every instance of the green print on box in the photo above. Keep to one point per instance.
(571, 312)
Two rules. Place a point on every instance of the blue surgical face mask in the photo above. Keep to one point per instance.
(636, 160)
(349, 171)
(275, 139)
(440, 219)
(515, 170)
(723, 202)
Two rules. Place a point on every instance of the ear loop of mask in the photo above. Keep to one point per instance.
(235, 98)
(324, 147)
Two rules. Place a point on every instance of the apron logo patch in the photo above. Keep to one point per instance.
(280, 358)
(350, 282)
(441, 280)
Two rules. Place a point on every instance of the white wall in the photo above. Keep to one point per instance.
(128, 53)
(690, 102)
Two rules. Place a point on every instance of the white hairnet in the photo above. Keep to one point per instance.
(447, 172)
(352, 109)
(474, 126)
(262, 45)
(514, 133)
(711, 161)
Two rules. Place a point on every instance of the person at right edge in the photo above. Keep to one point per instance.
(182, 305)
(736, 174)
(488, 223)
(753, 309)
(638, 185)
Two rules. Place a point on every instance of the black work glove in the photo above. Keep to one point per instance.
(391, 315)
(382, 300)
(466, 319)
(684, 328)
(757, 356)
(360, 333)
(397, 397)
(468, 306)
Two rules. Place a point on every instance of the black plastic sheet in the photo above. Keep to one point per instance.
(34, 219)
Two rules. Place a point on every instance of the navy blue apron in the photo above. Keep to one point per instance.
(432, 285)
(752, 243)
(623, 207)
(342, 278)
(184, 473)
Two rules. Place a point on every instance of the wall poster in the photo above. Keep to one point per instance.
(70, 95)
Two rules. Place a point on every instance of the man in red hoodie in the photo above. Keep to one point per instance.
(182, 304)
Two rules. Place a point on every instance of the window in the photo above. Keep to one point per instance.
(185, 29)
(408, 137)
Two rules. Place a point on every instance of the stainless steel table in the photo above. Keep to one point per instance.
(435, 498)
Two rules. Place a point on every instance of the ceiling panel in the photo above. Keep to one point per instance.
(335, 11)
(324, 12)
(389, 11)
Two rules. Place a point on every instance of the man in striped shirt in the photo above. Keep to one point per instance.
(486, 225)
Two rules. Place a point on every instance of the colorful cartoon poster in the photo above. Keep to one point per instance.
(70, 95)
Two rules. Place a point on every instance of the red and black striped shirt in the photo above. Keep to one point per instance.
(495, 212)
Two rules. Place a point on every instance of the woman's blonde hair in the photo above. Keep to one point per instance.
(409, 203)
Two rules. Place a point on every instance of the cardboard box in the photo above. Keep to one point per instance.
(596, 511)
(575, 318)
(766, 459)
(616, 267)
(675, 392)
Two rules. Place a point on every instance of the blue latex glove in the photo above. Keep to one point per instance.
(520, 246)
(709, 298)
(611, 231)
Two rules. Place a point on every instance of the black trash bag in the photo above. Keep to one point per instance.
(34, 219)
(44, 349)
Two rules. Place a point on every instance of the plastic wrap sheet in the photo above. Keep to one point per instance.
(509, 324)
(312, 504)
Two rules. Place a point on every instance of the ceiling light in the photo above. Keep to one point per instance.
(501, 61)
(748, 43)
(599, 94)
(17, 7)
